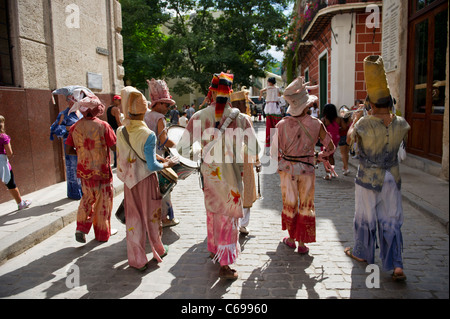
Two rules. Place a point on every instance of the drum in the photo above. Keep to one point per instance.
(174, 133)
(167, 180)
(185, 167)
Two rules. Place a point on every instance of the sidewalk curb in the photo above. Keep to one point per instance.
(20, 241)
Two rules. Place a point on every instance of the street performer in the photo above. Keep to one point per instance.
(155, 119)
(239, 100)
(297, 135)
(137, 163)
(221, 171)
(378, 200)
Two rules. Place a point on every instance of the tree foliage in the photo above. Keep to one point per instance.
(200, 37)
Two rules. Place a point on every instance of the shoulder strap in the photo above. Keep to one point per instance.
(304, 130)
(127, 138)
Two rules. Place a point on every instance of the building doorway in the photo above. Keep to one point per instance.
(426, 79)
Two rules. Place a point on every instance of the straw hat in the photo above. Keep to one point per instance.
(297, 96)
(376, 83)
(159, 92)
(238, 101)
(133, 101)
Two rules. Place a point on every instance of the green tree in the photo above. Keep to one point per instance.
(143, 40)
(192, 39)
(213, 36)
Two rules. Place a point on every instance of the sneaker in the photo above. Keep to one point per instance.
(24, 204)
(243, 230)
(346, 172)
(170, 222)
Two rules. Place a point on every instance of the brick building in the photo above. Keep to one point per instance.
(331, 42)
(330, 39)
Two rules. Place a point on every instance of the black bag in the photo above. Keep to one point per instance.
(120, 213)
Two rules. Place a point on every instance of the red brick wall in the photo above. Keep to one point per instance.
(367, 43)
(311, 59)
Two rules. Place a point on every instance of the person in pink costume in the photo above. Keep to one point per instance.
(137, 164)
(91, 139)
(296, 136)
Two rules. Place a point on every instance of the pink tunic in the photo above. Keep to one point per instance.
(92, 139)
(297, 137)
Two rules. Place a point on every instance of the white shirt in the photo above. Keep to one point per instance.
(272, 94)
(183, 121)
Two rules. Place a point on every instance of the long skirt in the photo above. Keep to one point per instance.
(298, 215)
(271, 121)
(95, 208)
(223, 238)
(143, 220)
(383, 210)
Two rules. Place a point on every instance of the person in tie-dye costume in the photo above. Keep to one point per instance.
(221, 170)
(378, 200)
(92, 139)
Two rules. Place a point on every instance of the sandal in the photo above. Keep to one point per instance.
(398, 277)
(303, 249)
(327, 177)
(289, 244)
(164, 254)
(349, 252)
(227, 273)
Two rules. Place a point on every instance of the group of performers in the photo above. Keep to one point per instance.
(229, 185)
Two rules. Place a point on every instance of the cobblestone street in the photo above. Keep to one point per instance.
(267, 268)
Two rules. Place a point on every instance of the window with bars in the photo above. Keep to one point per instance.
(6, 70)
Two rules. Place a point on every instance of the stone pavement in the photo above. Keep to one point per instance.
(44, 257)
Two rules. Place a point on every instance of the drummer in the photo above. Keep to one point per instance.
(136, 167)
(161, 101)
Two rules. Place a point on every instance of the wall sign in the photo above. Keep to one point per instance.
(391, 34)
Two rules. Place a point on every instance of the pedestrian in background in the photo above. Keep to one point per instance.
(378, 199)
(297, 136)
(6, 173)
(183, 119)
(330, 119)
(174, 115)
(190, 111)
(344, 124)
(92, 139)
(113, 116)
(137, 167)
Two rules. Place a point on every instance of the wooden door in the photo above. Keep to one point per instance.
(426, 80)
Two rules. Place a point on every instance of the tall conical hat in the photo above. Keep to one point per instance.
(376, 83)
